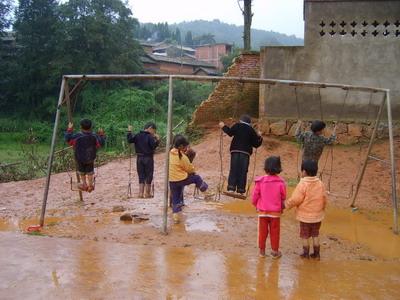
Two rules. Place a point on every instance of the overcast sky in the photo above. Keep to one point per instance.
(284, 16)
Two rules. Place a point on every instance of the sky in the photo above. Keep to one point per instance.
(283, 16)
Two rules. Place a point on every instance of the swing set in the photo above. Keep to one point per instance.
(78, 82)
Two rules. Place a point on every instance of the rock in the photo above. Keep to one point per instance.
(341, 128)
(354, 130)
(263, 126)
(292, 130)
(345, 139)
(118, 208)
(126, 217)
(278, 128)
(140, 218)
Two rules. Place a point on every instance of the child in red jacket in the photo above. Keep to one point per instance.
(268, 197)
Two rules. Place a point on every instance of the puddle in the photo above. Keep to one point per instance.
(371, 229)
(201, 223)
(55, 268)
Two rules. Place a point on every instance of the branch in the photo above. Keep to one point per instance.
(238, 2)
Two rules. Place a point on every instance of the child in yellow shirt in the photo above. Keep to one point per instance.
(181, 173)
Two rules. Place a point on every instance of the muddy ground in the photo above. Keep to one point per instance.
(87, 252)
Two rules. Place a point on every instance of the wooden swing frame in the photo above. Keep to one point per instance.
(65, 99)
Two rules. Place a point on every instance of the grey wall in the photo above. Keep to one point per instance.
(345, 56)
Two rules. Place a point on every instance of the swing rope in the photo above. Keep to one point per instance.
(130, 111)
(300, 148)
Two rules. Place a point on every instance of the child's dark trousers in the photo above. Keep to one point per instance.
(237, 179)
(145, 168)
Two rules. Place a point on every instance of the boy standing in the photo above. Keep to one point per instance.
(309, 198)
(146, 141)
(244, 139)
(313, 141)
(85, 144)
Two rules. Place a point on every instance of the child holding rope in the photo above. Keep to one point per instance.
(309, 198)
(181, 174)
(313, 141)
(85, 144)
(146, 141)
(244, 139)
(268, 197)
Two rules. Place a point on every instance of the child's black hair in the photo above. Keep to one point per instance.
(86, 124)
(272, 165)
(180, 140)
(245, 118)
(150, 125)
(310, 167)
(317, 125)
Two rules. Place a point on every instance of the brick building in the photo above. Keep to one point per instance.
(212, 54)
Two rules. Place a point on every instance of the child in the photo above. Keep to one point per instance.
(309, 198)
(85, 144)
(314, 141)
(269, 195)
(244, 139)
(146, 141)
(181, 173)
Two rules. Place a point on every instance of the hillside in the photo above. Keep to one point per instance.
(227, 33)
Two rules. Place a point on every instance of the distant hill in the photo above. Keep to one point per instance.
(232, 34)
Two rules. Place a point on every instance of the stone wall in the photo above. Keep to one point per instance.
(232, 99)
(347, 133)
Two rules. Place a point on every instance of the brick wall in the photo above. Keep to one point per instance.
(232, 99)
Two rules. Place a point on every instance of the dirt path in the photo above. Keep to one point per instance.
(212, 233)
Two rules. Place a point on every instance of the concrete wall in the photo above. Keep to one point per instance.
(232, 99)
(343, 44)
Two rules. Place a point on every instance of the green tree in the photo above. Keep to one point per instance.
(188, 39)
(37, 28)
(5, 15)
(99, 37)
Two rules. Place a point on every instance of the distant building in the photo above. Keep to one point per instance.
(161, 64)
(213, 53)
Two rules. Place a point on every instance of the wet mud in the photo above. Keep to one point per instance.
(86, 251)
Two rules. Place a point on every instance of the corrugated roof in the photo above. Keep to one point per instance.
(185, 61)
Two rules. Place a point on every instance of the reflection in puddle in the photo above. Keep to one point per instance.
(87, 269)
(201, 223)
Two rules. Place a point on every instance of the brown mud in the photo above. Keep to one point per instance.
(87, 252)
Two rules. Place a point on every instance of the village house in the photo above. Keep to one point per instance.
(212, 53)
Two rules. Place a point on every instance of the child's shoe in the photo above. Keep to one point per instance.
(276, 254)
(262, 253)
(147, 191)
(316, 255)
(141, 190)
(203, 187)
(176, 218)
(83, 187)
(306, 252)
(90, 188)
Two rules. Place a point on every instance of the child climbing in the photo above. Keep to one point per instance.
(309, 198)
(181, 173)
(313, 141)
(146, 141)
(268, 197)
(85, 144)
(244, 139)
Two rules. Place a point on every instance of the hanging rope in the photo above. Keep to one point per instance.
(301, 146)
(130, 111)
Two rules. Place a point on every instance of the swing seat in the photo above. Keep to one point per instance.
(234, 195)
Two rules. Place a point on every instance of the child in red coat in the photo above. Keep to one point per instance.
(268, 197)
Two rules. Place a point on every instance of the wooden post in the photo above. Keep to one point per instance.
(371, 141)
(51, 155)
(167, 149)
(69, 112)
(392, 164)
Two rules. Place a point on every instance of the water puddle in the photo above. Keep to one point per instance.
(201, 223)
(85, 269)
(369, 228)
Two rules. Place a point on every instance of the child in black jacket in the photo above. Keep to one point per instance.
(244, 139)
(85, 144)
(146, 142)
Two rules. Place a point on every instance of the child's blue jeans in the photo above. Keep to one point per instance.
(176, 188)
